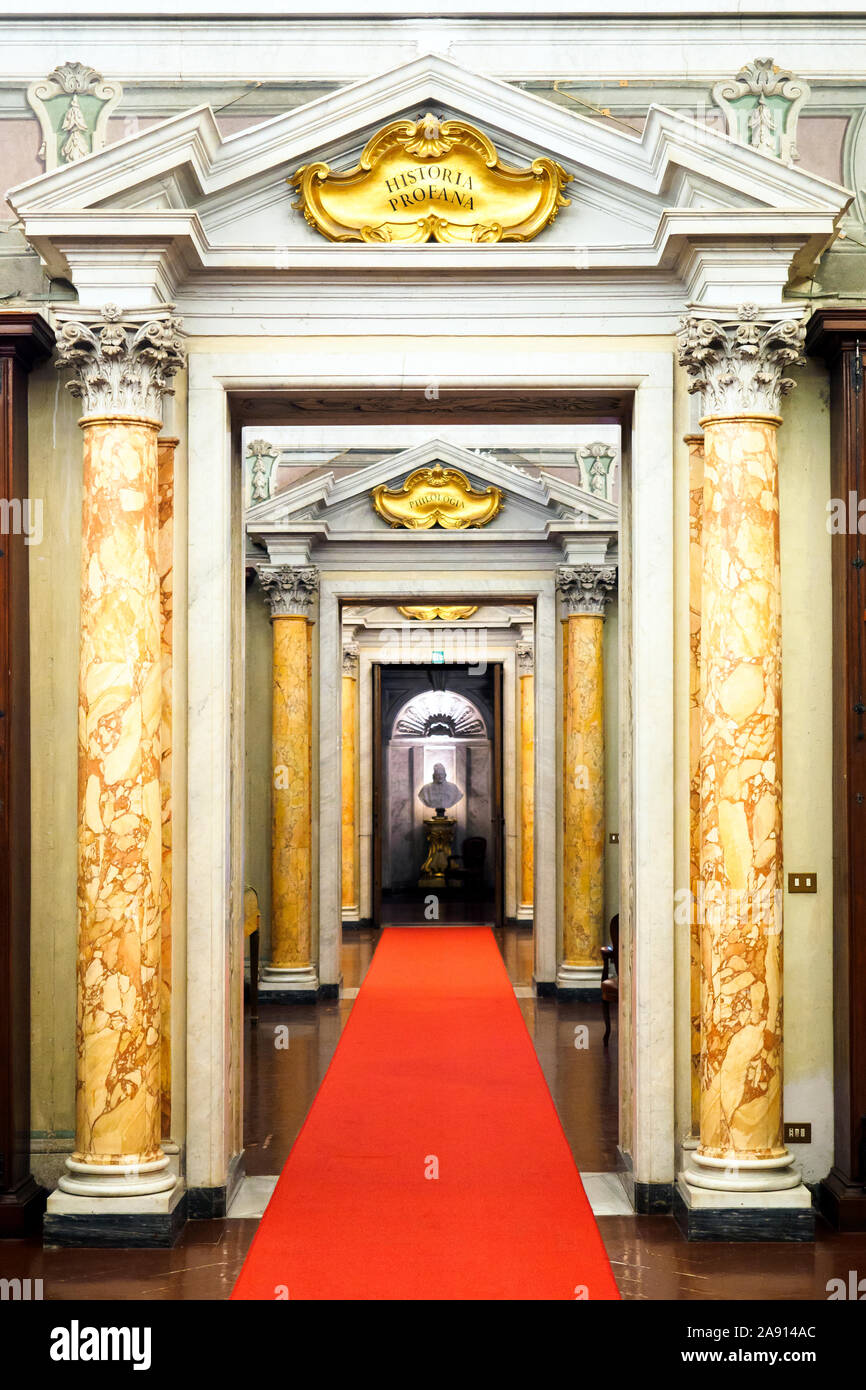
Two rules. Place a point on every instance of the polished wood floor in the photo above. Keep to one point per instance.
(649, 1257)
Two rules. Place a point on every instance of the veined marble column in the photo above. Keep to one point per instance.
(526, 677)
(585, 590)
(695, 444)
(350, 820)
(123, 362)
(166, 446)
(737, 360)
(291, 590)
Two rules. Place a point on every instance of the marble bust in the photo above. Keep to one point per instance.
(440, 794)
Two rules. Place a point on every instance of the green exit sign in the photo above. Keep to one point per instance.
(438, 658)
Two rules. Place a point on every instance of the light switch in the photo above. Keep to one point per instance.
(802, 883)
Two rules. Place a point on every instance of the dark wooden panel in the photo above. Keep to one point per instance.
(839, 336)
(24, 339)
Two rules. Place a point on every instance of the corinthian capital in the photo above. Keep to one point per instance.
(289, 589)
(122, 360)
(737, 360)
(586, 588)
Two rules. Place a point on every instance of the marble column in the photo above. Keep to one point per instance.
(526, 677)
(695, 444)
(737, 360)
(166, 446)
(291, 591)
(585, 590)
(349, 799)
(122, 363)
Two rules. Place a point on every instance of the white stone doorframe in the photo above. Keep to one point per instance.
(214, 928)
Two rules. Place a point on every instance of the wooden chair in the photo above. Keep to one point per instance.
(252, 922)
(609, 986)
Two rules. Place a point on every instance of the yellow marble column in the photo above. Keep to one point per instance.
(166, 446)
(349, 817)
(695, 444)
(291, 591)
(526, 677)
(738, 362)
(123, 363)
(585, 590)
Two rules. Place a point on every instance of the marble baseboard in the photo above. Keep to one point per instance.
(581, 993)
(252, 1197)
(545, 989)
(606, 1194)
(205, 1203)
(782, 1216)
(648, 1198)
(113, 1228)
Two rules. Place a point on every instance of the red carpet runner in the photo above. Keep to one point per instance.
(434, 1067)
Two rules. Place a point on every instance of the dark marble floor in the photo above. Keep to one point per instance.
(649, 1257)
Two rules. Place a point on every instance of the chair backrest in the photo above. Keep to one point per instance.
(614, 939)
(474, 851)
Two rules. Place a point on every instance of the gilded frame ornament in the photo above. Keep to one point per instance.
(446, 171)
(437, 496)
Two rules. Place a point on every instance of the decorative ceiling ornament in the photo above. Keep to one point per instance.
(437, 496)
(737, 359)
(73, 105)
(431, 179)
(761, 106)
(448, 612)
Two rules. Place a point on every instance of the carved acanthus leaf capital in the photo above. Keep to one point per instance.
(525, 658)
(351, 654)
(737, 359)
(289, 589)
(586, 589)
(122, 360)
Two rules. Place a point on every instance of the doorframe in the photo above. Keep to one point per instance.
(497, 811)
(215, 737)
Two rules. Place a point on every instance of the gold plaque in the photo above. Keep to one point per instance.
(437, 496)
(431, 178)
(448, 612)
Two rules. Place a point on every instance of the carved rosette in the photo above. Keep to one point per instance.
(525, 658)
(586, 589)
(122, 360)
(738, 360)
(350, 659)
(290, 589)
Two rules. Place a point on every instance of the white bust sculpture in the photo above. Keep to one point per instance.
(440, 794)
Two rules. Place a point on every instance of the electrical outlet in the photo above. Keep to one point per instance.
(797, 1133)
(802, 883)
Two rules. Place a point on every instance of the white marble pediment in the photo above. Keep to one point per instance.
(533, 506)
(199, 205)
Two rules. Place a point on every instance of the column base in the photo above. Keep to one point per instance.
(578, 982)
(152, 1221)
(842, 1202)
(703, 1213)
(21, 1209)
(284, 985)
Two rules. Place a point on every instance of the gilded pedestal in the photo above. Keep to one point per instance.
(585, 589)
(440, 840)
(290, 592)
